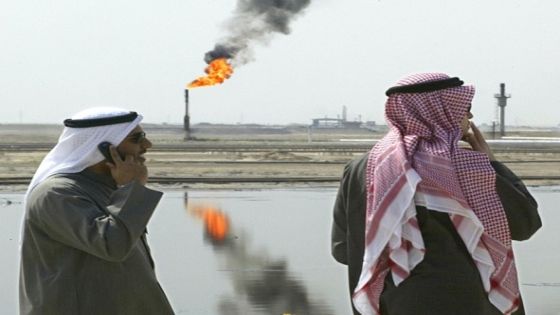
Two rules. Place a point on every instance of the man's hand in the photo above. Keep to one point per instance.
(127, 170)
(478, 143)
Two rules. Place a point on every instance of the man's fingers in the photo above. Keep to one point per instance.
(476, 131)
(115, 155)
(474, 128)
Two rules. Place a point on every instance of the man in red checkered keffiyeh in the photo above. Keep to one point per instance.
(424, 224)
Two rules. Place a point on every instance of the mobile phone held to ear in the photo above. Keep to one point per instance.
(104, 149)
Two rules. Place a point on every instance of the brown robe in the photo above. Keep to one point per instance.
(84, 248)
(447, 280)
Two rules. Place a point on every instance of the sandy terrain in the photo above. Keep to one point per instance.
(279, 161)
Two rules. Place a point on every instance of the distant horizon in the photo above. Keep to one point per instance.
(180, 125)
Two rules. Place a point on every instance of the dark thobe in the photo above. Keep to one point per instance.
(447, 280)
(84, 248)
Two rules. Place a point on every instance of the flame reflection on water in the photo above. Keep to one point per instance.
(275, 257)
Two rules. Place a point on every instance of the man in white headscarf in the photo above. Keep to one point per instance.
(84, 248)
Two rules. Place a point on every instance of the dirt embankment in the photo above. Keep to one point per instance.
(261, 152)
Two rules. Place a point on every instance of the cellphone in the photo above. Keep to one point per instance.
(104, 149)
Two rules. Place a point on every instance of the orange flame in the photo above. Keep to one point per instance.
(217, 72)
(215, 221)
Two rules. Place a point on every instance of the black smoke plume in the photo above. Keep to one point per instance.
(255, 21)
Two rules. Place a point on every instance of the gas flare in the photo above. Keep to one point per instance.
(216, 222)
(218, 71)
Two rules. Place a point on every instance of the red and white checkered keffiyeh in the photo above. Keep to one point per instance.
(419, 163)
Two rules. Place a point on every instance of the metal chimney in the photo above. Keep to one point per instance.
(186, 119)
(502, 103)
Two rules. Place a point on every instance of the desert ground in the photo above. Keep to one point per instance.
(254, 156)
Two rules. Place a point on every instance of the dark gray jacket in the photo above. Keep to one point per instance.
(84, 248)
(447, 280)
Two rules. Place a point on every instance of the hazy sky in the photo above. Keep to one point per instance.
(58, 57)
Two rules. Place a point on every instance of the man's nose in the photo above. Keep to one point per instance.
(146, 144)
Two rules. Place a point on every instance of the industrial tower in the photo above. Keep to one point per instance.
(502, 102)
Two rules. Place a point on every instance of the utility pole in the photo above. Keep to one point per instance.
(502, 103)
